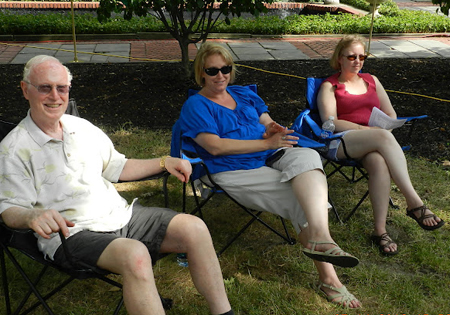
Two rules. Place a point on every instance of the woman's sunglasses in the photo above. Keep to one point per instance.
(353, 57)
(214, 71)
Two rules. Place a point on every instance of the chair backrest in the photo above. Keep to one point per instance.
(307, 142)
(312, 89)
(6, 126)
(182, 147)
(308, 122)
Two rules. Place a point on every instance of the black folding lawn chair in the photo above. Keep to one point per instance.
(20, 246)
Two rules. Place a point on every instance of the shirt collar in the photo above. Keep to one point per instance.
(38, 135)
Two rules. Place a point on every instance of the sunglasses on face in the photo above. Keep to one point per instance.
(214, 71)
(353, 57)
(47, 88)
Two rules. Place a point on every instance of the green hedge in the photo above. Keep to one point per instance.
(393, 20)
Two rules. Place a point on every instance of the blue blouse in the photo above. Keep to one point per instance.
(200, 114)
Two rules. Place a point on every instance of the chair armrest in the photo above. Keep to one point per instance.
(25, 241)
(22, 240)
(193, 158)
(152, 177)
(413, 118)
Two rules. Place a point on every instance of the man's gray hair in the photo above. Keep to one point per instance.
(37, 60)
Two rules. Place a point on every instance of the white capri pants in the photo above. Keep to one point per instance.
(269, 188)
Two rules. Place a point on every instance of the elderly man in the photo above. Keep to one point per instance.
(57, 171)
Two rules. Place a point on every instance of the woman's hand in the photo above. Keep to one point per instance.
(281, 139)
(271, 129)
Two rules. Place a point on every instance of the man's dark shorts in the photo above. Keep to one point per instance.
(148, 225)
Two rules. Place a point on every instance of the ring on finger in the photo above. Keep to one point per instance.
(283, 138)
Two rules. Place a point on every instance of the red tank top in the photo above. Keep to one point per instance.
(355, 108)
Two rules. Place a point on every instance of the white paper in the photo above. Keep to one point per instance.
(379, 119)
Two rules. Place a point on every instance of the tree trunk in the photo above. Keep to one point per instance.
(184, 45)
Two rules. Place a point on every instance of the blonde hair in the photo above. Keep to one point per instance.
(344, 43)
(208, 49)
(37, 60)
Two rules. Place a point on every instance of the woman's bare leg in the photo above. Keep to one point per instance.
(379, 191)
(361, 142)
(327, 273)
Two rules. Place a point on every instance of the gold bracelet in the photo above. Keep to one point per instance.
(162, 162)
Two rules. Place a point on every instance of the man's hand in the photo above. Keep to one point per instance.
(46, 222)
(180, 168)
(43, 222)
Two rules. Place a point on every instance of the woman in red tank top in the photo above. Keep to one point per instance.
(350, 96)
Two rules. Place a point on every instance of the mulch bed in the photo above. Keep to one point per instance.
(151, 94)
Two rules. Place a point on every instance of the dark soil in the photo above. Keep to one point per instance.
(151, 94)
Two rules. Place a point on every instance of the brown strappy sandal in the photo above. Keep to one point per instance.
(384, 238)
(423, 216)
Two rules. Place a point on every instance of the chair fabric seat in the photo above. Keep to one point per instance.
(308, 123)
(14, 243)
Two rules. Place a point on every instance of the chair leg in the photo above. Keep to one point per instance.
(289, 239)
(5, 282)
(333, 208)
(200, 204)
(48, 295)
(255, 216)
(119, 306)
(166, 194)
(357, 206)
(392, 204)
(31, 285)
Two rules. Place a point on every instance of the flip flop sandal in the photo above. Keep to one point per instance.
(342, 297)
(423, 216)
(384, 238)
(335, 255)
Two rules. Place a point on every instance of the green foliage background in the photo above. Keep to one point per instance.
(393, 20)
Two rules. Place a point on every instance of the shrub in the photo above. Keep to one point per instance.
(393, 20)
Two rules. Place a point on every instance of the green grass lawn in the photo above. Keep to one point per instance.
(265, 276)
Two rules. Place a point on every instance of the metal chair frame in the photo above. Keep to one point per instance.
(177, 150)
(25, 243)
(358, 172)
(214, 189)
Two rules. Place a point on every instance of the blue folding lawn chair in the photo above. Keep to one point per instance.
(308, 123)
(201, 178)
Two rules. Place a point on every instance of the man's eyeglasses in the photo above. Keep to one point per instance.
(353, 57)
(214, 71)
(47, 88)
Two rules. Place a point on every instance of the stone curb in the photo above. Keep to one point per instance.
(166, 35)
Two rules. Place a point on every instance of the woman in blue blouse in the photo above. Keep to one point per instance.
(234, 135)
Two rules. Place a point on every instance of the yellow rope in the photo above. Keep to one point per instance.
(272, 72)
(415, 94)
(239, 65)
